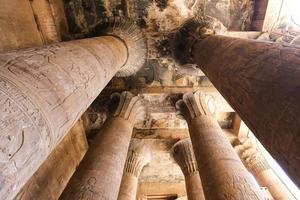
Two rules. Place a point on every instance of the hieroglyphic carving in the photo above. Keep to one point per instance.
(256, 86)
(50, 179)
(222, 173)
(106, 157)
(87, 191)
(43, 92)
(253, 156)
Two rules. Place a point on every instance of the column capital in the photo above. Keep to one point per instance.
(183, 154)
(195, 104)
(128, 107)
(134, 39)
(138, 156)
(252, 156)
(193, 30)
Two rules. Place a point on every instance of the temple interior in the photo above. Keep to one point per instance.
(149, 99)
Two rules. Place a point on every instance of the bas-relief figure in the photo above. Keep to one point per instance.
(39, 90)
(87, 191)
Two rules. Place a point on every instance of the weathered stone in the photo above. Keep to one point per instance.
(49, 181)
(257, 164)
(183, 153)
(99, 174)
(267, 74)
(261, 82)
(17, 28)
(45, 21)
(138, 156)
(44, 91)
(222, 173)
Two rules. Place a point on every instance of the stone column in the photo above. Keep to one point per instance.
(256, 163)
(138, 156)
(43, 92)
(222, 173)
(99, 174)
(45, 21)
(50, 180)
(260, 80)
(183, 154)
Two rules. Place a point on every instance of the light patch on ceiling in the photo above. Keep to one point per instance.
(295, 9)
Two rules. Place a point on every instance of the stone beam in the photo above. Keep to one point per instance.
(45, 21)
(160, 188)
(243, 34)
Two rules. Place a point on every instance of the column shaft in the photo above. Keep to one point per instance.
(183, 154)
(222, 173)
(138, 156)
(270, 180)
(255, 161)
(193, 186)
(50, 180)
(261, 82)
(43, 92)
(99, 174)
(128, 187)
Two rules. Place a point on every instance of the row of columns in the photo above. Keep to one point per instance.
(260, 80)
(222, 172)
(256, 163)
(44, 91)
(100, 173)
(106, 173)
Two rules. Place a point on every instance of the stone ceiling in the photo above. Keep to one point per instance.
(161, 81)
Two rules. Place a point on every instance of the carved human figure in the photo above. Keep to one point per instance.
(256, 163)
(138, 156)
(87, 191)
(183, 154)
(105, 159)
(222, 173)
(44, 91)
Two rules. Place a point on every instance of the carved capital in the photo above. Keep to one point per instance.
(138, 156)
(252, 156)
(192, 31)
(183, 154)
(134, 39)
(195, 104)
(129, 107)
